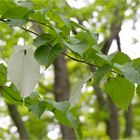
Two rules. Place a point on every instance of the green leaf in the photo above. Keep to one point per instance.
(5, 5)
(32, 99)
(87, 38)
(76, 25)
(76, 46)
(120, 90)
(62, 114)
(17, 12)
(26, 4)
(100, 73)
(76, 90)
(136, 64)
(121, 58)
(62, 118)
(43, 39)
(17, 22)
(129, 72)
(38, 17)
(138, 90)
(11, 95)
(64, 19)
(38, 109)
(3, 74)
(75, 125)
(46, 54)
(61, 106)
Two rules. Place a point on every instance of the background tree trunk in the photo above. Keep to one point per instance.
(128, 122)
(62, 91)
(18, 122)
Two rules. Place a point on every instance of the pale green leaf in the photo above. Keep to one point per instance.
(76, 90)
(129, 72)
(100, 73)
(120, 90)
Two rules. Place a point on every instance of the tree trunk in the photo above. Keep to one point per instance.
(18, 122)
(62, 91)
(113, 120)
(128, 122)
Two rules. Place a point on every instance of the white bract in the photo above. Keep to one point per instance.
(23, 70)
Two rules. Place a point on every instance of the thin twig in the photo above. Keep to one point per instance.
(81, 61)
(41, 23)
(27, 30)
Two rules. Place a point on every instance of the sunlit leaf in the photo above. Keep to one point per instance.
(3, 74)
(129, 72)
(120, 90)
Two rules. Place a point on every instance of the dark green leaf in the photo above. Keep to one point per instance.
(46, 54)
(43, 39)
(11, 95)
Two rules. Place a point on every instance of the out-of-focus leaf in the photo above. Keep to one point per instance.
(5, 5)
(17, 22)
(17, 12)
(76, 90)
(3, 74)
(26, 4)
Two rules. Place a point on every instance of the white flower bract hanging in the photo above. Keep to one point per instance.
(23, 70)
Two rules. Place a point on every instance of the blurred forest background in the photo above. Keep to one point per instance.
(100, 118)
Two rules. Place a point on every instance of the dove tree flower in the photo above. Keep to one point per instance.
(23, 70)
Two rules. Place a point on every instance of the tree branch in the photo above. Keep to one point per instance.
(18, 121)
(81, 61)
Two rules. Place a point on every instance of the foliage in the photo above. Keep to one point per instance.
(62, 33)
